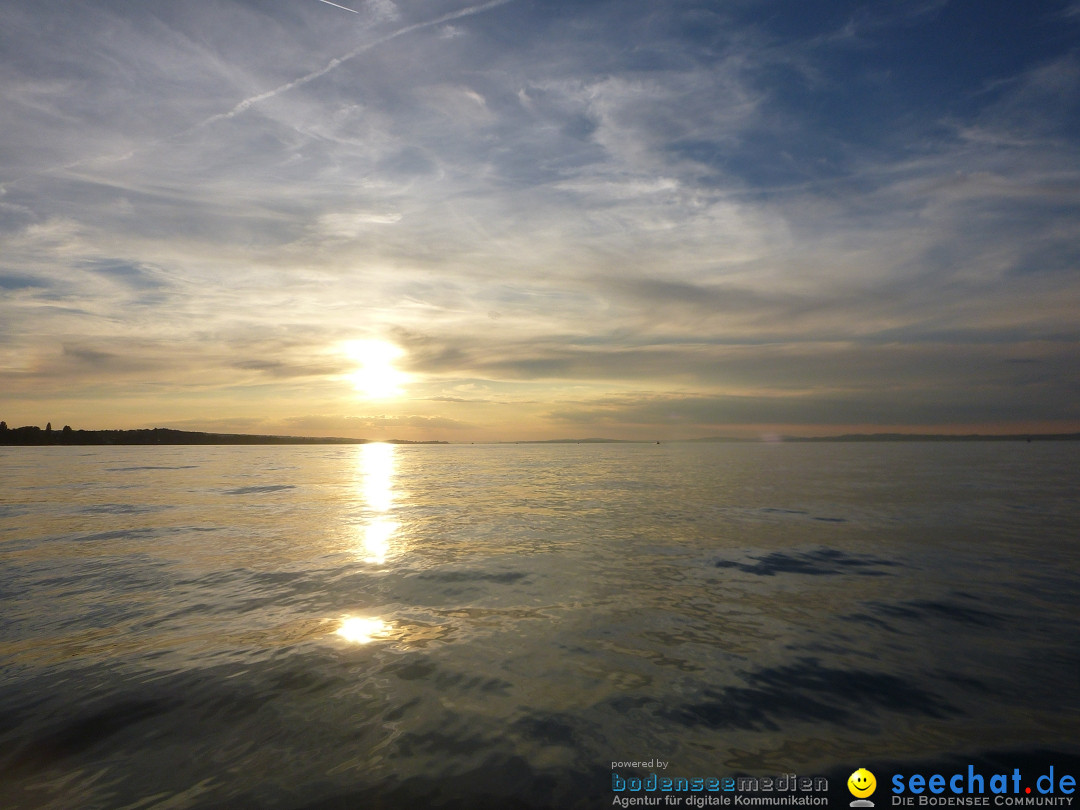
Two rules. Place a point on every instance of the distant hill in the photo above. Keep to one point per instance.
(578, 441)
(34, 435)
(847, 437)
(939, 437)
(905, 437)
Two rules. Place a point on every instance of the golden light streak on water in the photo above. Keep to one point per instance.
(363, 630)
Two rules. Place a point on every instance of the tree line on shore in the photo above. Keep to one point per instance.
(34, 435)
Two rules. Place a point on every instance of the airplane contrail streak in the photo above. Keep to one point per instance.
(253, 100)
(333, 63)
(335, 5)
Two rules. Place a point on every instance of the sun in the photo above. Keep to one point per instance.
(376, 378)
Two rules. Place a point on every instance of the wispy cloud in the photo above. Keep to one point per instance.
(336, 62)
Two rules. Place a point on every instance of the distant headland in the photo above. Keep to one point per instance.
(34, 435)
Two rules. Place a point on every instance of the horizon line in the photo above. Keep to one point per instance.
(33, 433)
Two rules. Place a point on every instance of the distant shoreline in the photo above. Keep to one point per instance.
(32, 435)
(35, 436)
(847, 437)
(919, 437)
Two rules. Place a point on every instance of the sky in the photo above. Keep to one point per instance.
(534, 219)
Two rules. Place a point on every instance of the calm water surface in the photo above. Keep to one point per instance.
(492, 626)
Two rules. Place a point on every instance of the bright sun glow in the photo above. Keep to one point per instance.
(376, 377)
(362, 631)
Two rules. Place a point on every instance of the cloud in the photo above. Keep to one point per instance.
(384, 9)
(457, 399)
(879, 18)
(344, 225)
(712, 205)
(702, 413)
(1071, 11)
(287, 371)
(354, 425)
(135, 275)
(1036, 107)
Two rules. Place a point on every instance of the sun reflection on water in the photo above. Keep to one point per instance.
(375, 463)
(377, 535)
(377, 471)
(360, 630)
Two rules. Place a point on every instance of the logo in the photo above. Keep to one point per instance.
(861, 784)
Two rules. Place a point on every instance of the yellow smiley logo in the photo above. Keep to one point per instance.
(861, 783)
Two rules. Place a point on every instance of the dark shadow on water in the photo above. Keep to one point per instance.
(806, 691)
(919, 609)
(922, 612)
(418, 668)
(471, 767)
(139, 469)
(505, 578)
(124, 534)
(120, 509)
(83, 733)
(547, 728)
(254, 490)
(821, 561)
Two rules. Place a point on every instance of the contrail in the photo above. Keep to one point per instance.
(253, 100)
(335, 5)
(333, 63)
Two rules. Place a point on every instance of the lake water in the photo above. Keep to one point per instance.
(495, 625)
